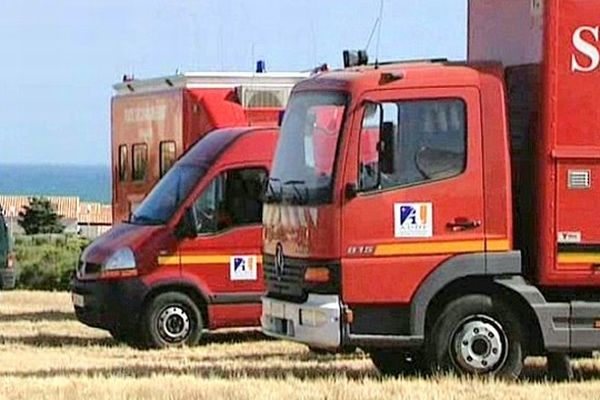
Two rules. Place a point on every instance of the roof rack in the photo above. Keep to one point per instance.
(413, 61)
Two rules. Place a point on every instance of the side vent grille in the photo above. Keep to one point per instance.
(580, 179)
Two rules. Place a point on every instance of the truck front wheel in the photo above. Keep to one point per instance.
(172, 319)
(477, 335)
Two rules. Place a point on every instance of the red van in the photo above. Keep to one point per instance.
(188, 259)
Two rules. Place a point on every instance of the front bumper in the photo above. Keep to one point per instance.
(113, 305)
(8, 278)
(316, 322)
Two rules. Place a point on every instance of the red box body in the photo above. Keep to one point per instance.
(559, 40)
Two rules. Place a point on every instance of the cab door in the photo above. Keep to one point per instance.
(417, 167)
(225, 257)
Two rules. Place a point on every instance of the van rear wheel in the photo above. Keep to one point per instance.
(172, 319)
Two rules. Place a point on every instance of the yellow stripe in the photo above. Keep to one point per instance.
(197, 259)
(429, 248)
(579, 258)
(212, 259)
(168, 260)
(498, 245)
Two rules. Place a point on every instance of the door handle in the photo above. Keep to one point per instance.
(462, 224)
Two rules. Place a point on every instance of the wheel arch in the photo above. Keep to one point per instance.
(192, 291)
(457, 271)
(485, 285)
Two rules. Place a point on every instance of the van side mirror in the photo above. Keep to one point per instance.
(386, 148)
(186, 228)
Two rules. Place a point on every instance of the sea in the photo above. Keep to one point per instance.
(89, 183)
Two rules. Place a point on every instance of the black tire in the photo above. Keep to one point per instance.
(398, 362)
(320, 352)
(559, 367)
(130, 338)
(171, 319)
(477, 335)
(118, 335)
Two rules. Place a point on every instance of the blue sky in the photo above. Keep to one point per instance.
(61, 57)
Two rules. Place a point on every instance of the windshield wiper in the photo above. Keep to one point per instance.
(144, 220)
(300, 197)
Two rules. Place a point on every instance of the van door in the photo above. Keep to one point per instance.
(226, 255)
(420, 192)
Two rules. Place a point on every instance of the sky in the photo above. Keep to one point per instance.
(60, 58)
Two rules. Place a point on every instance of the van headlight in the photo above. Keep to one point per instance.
(121, 259)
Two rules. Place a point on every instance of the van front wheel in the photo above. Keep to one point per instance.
(172, 320)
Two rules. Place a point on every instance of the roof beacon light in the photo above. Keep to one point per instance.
(355, 58)
(261, 66)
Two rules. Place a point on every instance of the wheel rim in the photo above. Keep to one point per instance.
(174, 324)
(479, 345)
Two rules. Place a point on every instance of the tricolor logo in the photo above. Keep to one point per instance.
(413, 220)
(243, 268)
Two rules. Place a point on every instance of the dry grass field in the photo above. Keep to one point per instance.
(46, 354)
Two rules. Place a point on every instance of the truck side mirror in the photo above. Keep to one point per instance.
(386, 148)
(187, 225)
(350, 191)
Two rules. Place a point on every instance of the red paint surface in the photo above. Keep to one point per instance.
(191, 114)
(254, 148)
(567, 137)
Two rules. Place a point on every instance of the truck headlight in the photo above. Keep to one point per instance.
(121, 259)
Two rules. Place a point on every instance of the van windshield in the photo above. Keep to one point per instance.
(166, 197)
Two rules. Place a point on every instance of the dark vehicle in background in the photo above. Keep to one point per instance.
(7, 261)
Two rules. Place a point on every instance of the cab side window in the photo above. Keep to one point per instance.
(234, 198)
(412, 142)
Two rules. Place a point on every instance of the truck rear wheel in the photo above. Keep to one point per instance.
(397, 362)
(172, 319)
(477, 335)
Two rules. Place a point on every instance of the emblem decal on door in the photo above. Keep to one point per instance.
(243, 268)
(413, 220)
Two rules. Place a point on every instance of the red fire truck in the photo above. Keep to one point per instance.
(188, 258)
(472, 239)
(156, 120)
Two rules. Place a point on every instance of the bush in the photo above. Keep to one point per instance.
(47, 262)
(39, 217)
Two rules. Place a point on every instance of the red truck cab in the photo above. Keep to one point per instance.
(471, 239)
(189, 257)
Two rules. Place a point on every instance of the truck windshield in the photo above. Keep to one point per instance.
(166, 197)
(305, 157)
